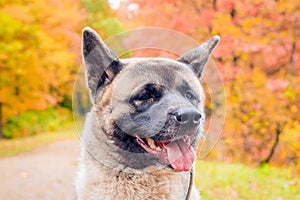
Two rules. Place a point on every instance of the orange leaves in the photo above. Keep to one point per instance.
(254, 33)
(40, 51)
(258, 109)
(38, 54)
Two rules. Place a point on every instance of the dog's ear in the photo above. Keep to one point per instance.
(102, 64)
(197, 58)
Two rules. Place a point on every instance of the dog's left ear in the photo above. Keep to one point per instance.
(197, 58)
(102, 64)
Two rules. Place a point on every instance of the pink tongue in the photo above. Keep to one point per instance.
(181, 155)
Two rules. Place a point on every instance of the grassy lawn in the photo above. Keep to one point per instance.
(14, 146)
(238, 182)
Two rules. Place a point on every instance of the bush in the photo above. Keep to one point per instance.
(33, 122)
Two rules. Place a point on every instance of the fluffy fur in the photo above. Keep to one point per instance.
(97, 181)
(112, 163)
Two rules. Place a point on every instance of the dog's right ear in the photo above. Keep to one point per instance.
(101, 63)
(197, 58)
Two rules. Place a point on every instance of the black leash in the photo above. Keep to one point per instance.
(189, 191)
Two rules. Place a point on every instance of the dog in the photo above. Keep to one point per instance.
(141, 135)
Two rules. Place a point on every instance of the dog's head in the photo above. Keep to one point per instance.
(151, 109)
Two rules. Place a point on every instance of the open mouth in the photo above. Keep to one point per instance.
(178, 153)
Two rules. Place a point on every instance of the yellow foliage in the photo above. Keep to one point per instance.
(39, 47)
(256, 112)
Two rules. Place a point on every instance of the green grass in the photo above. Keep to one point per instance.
(239, 182)
(10, 147)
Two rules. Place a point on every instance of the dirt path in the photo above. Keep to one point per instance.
(44, 173)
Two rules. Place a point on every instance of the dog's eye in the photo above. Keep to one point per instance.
(146, 97)
(143, 97)
(191, 97)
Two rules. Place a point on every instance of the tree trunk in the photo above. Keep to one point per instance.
(272, 151)
(294, 39)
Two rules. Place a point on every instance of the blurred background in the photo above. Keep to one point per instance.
(258, 154)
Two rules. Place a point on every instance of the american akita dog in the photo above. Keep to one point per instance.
(140, 137)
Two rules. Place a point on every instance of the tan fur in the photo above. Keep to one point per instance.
(98, 182)
(110, 171)
(105, 100)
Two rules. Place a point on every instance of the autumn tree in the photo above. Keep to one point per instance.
(252, 32)
(40, 50)
(263, 114)
(39, 42)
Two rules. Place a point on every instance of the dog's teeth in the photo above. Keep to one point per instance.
(187, 139)
(151, 143)
(158, 148)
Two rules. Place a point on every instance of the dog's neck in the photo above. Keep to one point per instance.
(105, 178)
(106, 183)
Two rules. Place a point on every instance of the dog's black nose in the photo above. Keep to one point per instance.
(187, 116)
